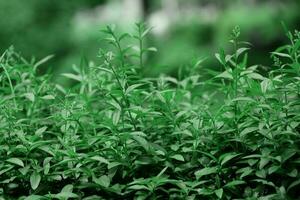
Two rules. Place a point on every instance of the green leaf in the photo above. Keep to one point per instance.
(132, 87)
(227, 157)
(256, 76)
(40, 131)
(153, 49)
(241, 50)
(72, 76)
(35, 179)
(293, 184)
(248, 130)
(113, 164)
(263, 162)
(205, 171)
(225, 75)
(235, 183)
(142, 141)
(48, 97)
(100, 159)
(219, 193)
(65, 195)
(103, 181)
(281, 54)
(15, 161)
(42, 61)
(138, 187)
(34, 197)
(30, 96)
(46, 165)
(67, 188)
(178, 157)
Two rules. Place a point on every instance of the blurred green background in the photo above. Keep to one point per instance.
(183, 29)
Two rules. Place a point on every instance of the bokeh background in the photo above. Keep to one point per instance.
(184, 30)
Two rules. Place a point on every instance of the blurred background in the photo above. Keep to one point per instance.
(184, 30)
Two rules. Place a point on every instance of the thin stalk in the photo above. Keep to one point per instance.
(141, 47)
(9, 81)
(124, 97)
(236, 77)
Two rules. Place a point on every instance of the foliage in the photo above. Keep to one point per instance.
(116, 135)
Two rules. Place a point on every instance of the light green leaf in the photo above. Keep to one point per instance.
(30, 96)
(100, 159)
(15, 161)
(152, 49)
(34, 197)
(281, 54)
(113, 164)
(48, 97)
(178, 157)
(227, 157)
(219, 193)
(205, 171)
(35, 179)
(132, 87)
(40, 131)
(65, 195)
(103, 181)
(42, 61)
(293, 184)
(67, 188)
(72, 76)
(225, 75)
(235, 183)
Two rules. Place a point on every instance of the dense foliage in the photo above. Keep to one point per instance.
(117, 135)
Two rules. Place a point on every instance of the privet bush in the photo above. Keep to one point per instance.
(117, 135)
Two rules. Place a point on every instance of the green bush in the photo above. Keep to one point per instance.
(116, 135)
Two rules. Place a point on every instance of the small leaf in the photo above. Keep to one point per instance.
(152, 49)
(65, 195)
(265, 85)
(146, 31)
(248, 130)
(46, 165)
(67, 188)
(132, 87)
(113, 164)
(35, 179)
(227, 157)
(256, 76)
(281, 54)
(42, 61)
(205, 171)
(48, 97)
(30, 96)
(116, 117)
(103, 181)
(34, 197)
(142, 141)
(263, 162)
(293, 184)
(15, 161)
(40, 131)
(225, 74)
(241, 50)
(72, 76)
(235, 183)
(178, 157)
(100, 159)
(219, 193)
(138, 187)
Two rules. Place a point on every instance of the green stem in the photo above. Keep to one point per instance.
(9, 81)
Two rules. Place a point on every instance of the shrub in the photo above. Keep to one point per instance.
(118, 135)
